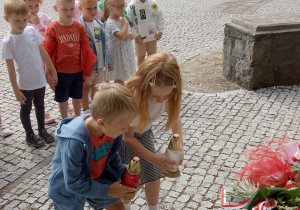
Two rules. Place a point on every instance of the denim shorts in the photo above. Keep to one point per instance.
(62, 207)
(68, 85)
(101, 203)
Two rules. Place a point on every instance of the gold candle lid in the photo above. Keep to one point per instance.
(133, 167)
(174, 143)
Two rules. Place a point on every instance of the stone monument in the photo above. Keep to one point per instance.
(262, 51)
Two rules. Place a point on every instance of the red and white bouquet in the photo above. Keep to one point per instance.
(271, 178)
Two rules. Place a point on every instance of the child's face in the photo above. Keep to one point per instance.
(117, 127)
(34, 6)
(159, 94)
(117, 8)
(89, 10)
(17, 23)
(65, 10)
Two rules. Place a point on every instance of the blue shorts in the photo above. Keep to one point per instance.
(101, 203)
(62, 207)
(68, 85)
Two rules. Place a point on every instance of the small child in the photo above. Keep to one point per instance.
(97, 41)
(40, 22)
(4, 130)
(67, 43)
(148, 25)
(119, 39)
(157, 87)
(86, 164)
(24, 53)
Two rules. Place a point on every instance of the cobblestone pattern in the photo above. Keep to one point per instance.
(240, 7)
(217, 127)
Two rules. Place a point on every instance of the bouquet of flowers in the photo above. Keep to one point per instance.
(271, 178)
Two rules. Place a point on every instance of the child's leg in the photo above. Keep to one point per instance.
(25, 112)
(76, 106)
(38, 101)
(151, 47)
(104, 77)
(98, 78)
(85, 96)
(140, 51)
(63, 109)
(152, 192)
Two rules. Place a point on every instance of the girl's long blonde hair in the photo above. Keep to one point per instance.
(165, 68)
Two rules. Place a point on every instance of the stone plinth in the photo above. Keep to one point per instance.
(262, 51)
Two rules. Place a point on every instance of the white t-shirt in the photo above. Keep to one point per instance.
(155, 111)
(24, 50)
(94, 28)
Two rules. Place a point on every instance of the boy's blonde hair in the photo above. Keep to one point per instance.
(164, 67)
(18, 7)
(41, 1)
(81, 1)
(56, 1)
(112, 101)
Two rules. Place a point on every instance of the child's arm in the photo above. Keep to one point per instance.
(129, 36)
(160, 24)
(12, 77)
(121, 35)
(157, 159)
(177, 128)
(50, 69)
(40, 24)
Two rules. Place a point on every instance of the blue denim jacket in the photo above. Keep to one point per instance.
(93, 44)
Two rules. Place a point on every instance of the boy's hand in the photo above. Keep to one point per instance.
(34, 18)
(20, 97)
(163, 163)
(54, 77)
(120, 191)
(110, 67)
(158, 36)
(138, 40)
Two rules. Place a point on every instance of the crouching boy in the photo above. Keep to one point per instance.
(86, 164)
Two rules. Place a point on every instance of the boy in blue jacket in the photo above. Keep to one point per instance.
(86, 165)
(97, 41)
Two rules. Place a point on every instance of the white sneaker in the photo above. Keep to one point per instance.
(87, 111)
(5, 131)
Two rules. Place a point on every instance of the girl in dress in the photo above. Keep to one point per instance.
(120, 46)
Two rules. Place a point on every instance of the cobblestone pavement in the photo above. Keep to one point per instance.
(217, 127)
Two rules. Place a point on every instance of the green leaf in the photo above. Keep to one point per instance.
(255, 199)
(288, 194)
(272, 191)
(294, 168)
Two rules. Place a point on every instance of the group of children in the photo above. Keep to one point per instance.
(93, 149)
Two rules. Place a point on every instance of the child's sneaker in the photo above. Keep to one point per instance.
(5, 131)
(46, 136)
(35, 141)
(48, 118)
(87, 111)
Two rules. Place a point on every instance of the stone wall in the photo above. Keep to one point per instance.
(258, 55)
